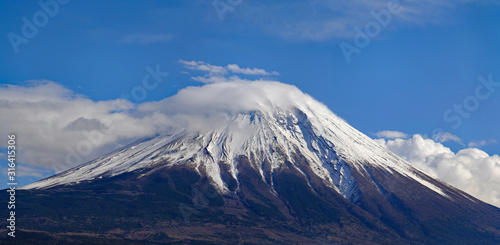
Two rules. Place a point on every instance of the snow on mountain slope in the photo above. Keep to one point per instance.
(264, 121)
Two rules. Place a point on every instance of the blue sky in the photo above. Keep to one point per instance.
(426, 58)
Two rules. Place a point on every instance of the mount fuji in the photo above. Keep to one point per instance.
(252, 162)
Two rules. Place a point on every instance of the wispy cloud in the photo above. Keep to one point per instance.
(217, 74)
(216, 79)
(388, 134)
(445, 136)
(202, 66)
(321, 20)
(249, 71)
(481, 143)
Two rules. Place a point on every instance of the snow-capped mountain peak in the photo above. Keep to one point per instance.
(274, 125)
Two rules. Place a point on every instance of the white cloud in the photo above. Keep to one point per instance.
(481, 143)
(144, 38)
(234, 97)
(218, 74)
(471, 170)
(445, 136)
(388, 134)
(47, 118)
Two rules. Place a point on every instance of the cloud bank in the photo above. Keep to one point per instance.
(471, 170)
(50, 121)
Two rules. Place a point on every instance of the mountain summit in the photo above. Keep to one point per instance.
(270, 122)
(259, 162)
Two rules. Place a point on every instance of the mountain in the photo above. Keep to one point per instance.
(251, 162)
